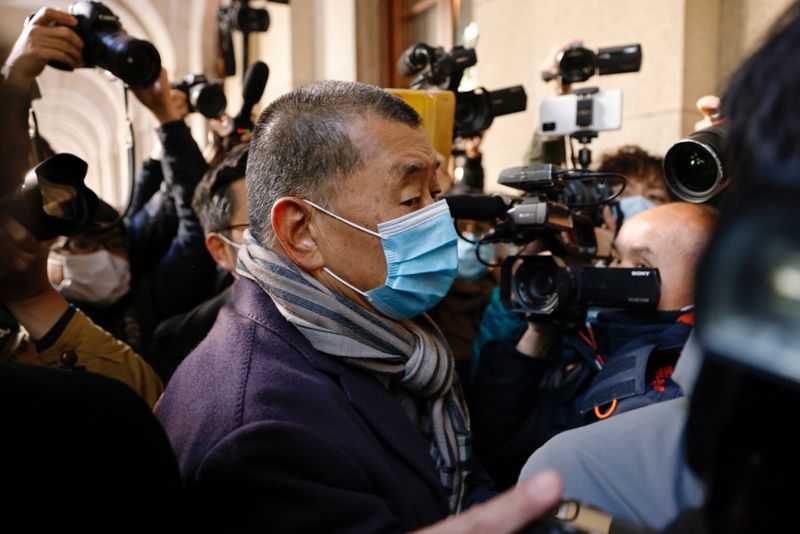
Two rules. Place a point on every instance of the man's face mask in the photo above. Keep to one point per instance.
(470, 268)
(98, 278)
(634, 205)
(421, 261)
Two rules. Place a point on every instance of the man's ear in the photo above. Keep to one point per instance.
(219, 251)
(291, 222)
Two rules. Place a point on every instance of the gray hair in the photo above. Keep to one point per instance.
(300, 145)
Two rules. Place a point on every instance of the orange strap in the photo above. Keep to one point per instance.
(608, 413)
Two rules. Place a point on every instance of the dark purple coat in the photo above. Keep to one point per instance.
(272, 434)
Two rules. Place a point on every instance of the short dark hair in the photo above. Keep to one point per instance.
(635, 163)
(213, 202)
(301, 147)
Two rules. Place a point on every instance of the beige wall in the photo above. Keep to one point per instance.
(689, 49)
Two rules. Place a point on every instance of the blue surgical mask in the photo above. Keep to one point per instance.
(470, 268)
(421, 261)
(634, 205)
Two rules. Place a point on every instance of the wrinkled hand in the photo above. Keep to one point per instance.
(46, 37)
(23, 262)
(158, 99)
(511, 511)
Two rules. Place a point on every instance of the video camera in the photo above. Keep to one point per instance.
(558, 209)
(203, 96)
(577, 64)
(106, 45)
(475, 110)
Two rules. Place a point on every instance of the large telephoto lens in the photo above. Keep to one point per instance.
(135, 62)
(694, 167)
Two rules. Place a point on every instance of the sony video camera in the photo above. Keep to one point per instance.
(106, 45)
(558, 210)
(203, 96)
(475, 110)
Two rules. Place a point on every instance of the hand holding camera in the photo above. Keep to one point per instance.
(47, 36)
(159, 100)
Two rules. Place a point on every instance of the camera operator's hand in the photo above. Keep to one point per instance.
(550, 64)
(509, 512)
(708, 106)
(158, 99)
(472, 146)
(45, 38)
(24, 286)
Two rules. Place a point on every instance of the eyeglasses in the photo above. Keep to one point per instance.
(82, 244)
(244, 226)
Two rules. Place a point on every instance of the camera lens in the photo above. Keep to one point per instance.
(536, 285)
(133, 61)
(693, 167)
(209, 99)
(577, 64)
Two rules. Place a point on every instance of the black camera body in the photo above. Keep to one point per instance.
(203, 96)
(475, 110)
(545, 285)
(108, 46)
(577, 64)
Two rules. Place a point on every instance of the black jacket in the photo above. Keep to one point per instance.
(171, 270)
(519, 403)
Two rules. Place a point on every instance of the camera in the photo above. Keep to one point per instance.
(106, 45)
(53, 199)
(559, 209)
(207, 98)
(475, 110)
(577, 64)
(695, 168)
(244, 18)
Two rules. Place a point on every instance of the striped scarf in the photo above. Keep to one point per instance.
(411, 358)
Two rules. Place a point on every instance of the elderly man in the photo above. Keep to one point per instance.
(323, 399)
(526, 390)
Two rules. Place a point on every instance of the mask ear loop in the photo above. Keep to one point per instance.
(230, 242)
(354, 225)
(342, 219)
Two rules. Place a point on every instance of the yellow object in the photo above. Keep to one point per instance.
(437, 110)
(85, 346)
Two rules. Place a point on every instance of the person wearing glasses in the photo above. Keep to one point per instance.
(221, 206)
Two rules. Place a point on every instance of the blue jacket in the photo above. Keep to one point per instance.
(272, 434)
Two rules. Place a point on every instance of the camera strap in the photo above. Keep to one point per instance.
(130, 146)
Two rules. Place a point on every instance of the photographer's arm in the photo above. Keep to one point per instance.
(45, 38)
(505, 409)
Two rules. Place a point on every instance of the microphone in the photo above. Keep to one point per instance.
(477, 207)
(255, 81)
(415, 58)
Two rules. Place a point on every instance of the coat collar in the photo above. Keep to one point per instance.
(379, 409)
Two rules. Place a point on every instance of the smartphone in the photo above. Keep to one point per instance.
(569, 114)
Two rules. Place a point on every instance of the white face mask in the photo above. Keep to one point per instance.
(98, 278)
